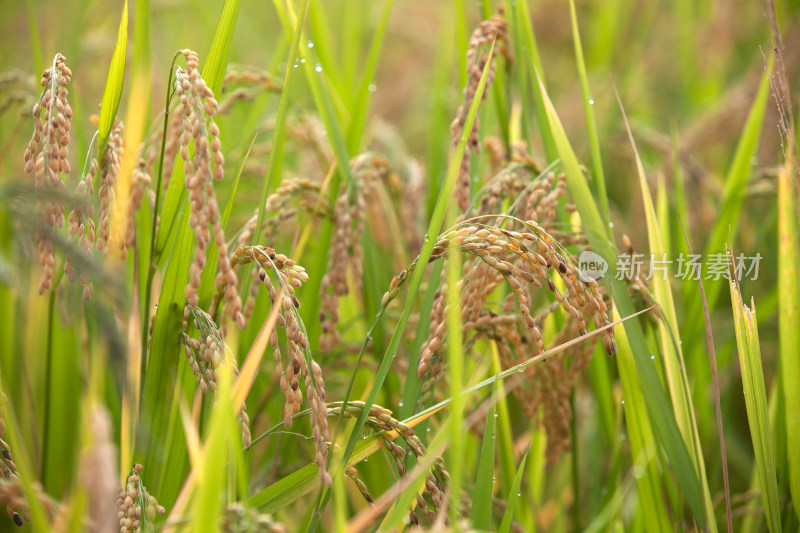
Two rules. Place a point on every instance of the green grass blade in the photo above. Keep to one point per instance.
(113, 88)
(526, 48)
(644, 448)
(164, 356)
(211, 469)
(588, 111)
(485, 479)
(513, 496)
(788, 318)
(674, 366)
(755, 397)
(361, 97)
(455, 372)
(664, 423)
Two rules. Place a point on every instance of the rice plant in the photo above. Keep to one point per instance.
(386, 266)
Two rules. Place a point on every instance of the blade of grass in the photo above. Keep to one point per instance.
(513, 496)
(525, 47)
(361, 96)
(481, 513)
(675, 368)
(664, 423)
(644, 447)
(591, 122)
(788, 318)
(210, 468)
(455, 373)
(713, 359)
(113, 89)
(755, 397)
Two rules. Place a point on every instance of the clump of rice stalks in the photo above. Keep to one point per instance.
(140, 183)
(346, 254)
(487, 32)
(46, 158)
(433, 499)
(7, 467)
(81, 225)
(109, 172)
(12, 495)
(135, 506)
(12, 491)
(206, 355)
(198, 107)
(17, 91)
(249, 83)
(520, 259)
(299, 361)
(278, 208)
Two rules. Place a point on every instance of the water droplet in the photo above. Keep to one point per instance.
(310, 44)
(428, 430)
(296, 64)
(652, 356)
(494, 479)
(324, 132)
(591, 101)
(372, 87)
(318, 67)
(610, 224)
(401, 404)
(519, 494)
(495, 414)
(302, 59)
(623, 402)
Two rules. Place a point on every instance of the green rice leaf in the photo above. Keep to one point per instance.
(755, 397)
(113, 89)
(485, 479)
(513, 496)
(788, 318)
(644, 447)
